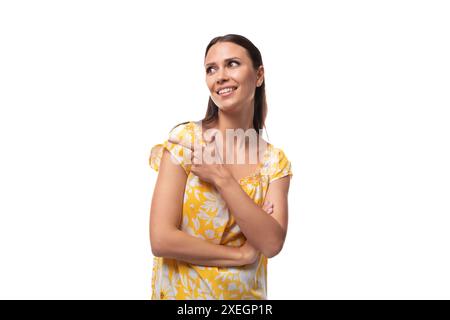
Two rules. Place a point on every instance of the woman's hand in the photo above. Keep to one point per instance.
(206, 161)
(249, 253)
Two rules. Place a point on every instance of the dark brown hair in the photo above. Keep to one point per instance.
(260, 103)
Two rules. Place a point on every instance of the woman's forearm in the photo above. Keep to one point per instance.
(179, 245)
(263, 231)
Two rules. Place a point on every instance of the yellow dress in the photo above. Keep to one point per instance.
(205, 215)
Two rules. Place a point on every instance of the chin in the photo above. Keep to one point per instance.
(227, 107)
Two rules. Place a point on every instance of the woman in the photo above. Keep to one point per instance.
(210, 230)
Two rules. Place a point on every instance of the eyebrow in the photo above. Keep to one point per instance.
(226, 60)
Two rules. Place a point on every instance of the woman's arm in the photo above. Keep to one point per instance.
(184, 247)
(165, 237)
(265, 232)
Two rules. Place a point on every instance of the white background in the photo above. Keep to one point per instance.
(358, 95)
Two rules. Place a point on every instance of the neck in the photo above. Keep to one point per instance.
(234, 121)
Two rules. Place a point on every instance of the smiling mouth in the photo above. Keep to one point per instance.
(226, 91)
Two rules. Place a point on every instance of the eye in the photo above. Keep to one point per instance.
(232, 63)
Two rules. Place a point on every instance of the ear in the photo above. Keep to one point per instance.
(260, 76)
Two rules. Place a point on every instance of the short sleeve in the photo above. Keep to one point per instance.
(281, 166)
(182, 155)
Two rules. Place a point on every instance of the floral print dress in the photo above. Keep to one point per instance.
(205, 215)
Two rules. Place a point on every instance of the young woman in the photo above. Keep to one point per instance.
(214, 224)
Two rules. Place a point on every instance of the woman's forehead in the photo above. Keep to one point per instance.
(225, 50)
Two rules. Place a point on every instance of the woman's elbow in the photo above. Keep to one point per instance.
(162, 241)
(274, 250)
(157, 244)
(156, 249)
(276, 246)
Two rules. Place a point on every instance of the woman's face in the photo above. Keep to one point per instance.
(229, 67)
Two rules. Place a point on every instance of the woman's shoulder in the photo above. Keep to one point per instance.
(277, 163)
(275, 151)
(183, 126)
(184, 131)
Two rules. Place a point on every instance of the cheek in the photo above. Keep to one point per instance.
(209, 85)
(246, 80)
(248, 86)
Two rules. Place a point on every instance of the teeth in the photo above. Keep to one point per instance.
(226, 90)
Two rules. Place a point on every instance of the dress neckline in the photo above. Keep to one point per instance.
(198, 125)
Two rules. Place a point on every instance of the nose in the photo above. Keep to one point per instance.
(221, 76)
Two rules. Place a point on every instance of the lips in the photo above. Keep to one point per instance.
(226, 90)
